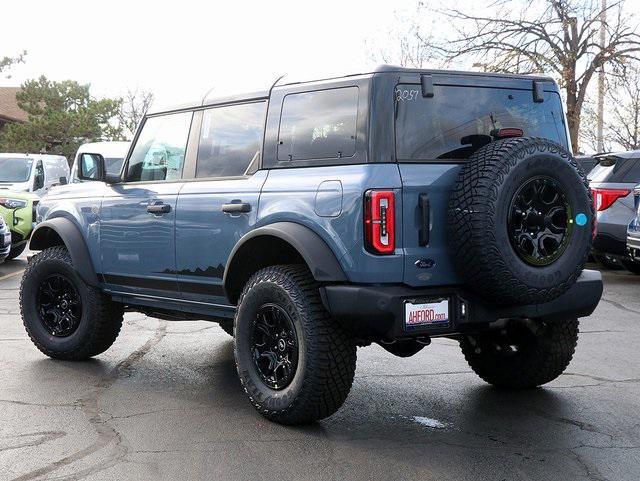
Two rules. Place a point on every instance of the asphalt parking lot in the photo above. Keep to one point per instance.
(165, 403)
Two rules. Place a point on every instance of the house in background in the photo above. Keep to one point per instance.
(9, 110)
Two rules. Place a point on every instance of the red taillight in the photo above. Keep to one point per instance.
(604, 198)
(379, 221)
(509, 132)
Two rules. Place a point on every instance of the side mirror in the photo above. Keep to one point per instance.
(63, 181)
(92, 167)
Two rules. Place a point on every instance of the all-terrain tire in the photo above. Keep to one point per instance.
(326, 353)
(100, 321)
(481, 203)
(545, 353)
(16, 251)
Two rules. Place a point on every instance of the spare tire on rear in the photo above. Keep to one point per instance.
(520, 221)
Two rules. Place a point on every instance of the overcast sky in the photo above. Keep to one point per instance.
(181, 49)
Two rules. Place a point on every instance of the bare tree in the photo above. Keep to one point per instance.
(135, 104)
(406, 43)
(7, 62)
(558, 37)
(622, 126)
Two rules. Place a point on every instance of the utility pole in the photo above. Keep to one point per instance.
(601, 87)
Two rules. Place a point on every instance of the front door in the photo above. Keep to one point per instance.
(214, 212)
(137, 228)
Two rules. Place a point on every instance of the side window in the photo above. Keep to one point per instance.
(160, 148)
(230, 139)
(318, 125)
(38, 181)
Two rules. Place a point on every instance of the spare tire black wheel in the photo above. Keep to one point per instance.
(520, 221)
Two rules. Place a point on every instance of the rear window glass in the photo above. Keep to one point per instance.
(617, 170)
(318, 125)
(457, 121)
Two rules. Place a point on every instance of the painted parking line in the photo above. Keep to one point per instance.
(13, 274)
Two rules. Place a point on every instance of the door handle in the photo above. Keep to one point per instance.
(157, 209)
(236, 208)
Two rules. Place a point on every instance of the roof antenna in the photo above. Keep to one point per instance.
(206, 95)
(276, 83)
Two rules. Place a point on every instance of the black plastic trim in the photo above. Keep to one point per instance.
(377, 310)
(314, 250)
(73, 240)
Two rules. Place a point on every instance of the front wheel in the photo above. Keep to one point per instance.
(522, 355)
(295, 362)
(64, 317)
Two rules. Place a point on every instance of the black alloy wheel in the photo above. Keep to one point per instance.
(540, 221)
(274, 345)
(59, 305)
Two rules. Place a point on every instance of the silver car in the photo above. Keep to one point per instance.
(612, 182)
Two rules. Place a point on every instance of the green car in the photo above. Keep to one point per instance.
(19, 212)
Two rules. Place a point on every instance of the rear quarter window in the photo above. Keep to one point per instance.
(318, 125)
(458, 120)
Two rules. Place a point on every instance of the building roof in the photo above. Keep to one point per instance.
(9, 109)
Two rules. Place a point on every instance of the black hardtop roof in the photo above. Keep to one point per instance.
(212, 98)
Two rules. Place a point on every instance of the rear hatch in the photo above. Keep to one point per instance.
(439, 123)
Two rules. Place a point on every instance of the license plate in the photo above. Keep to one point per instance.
(7, 239)
(421, 314)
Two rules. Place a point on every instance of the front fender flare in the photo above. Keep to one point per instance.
(73, 240)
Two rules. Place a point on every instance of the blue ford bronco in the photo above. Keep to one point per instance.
(316, 217)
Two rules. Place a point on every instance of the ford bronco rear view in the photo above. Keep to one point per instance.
(316, 217)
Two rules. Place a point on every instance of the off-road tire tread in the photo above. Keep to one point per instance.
(476, 252)
(107, 314)
(331, 357)
(550, 357)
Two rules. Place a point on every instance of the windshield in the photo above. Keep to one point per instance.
(15, 170)
(457, 121)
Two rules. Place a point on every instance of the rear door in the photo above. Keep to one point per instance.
(435, 134)
(220, 206)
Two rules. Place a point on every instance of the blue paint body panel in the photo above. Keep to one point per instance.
(178, 259)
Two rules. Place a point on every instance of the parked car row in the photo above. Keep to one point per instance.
(25, 178)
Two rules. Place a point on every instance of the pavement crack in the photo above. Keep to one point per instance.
(107, 434)
(443, 373)
(620, 306)
(583, 426)
(40, 438)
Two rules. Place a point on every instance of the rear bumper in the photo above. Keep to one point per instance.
(378, 311)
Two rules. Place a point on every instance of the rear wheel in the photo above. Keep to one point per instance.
(522, 355)
(64, 317)
(294, 361)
